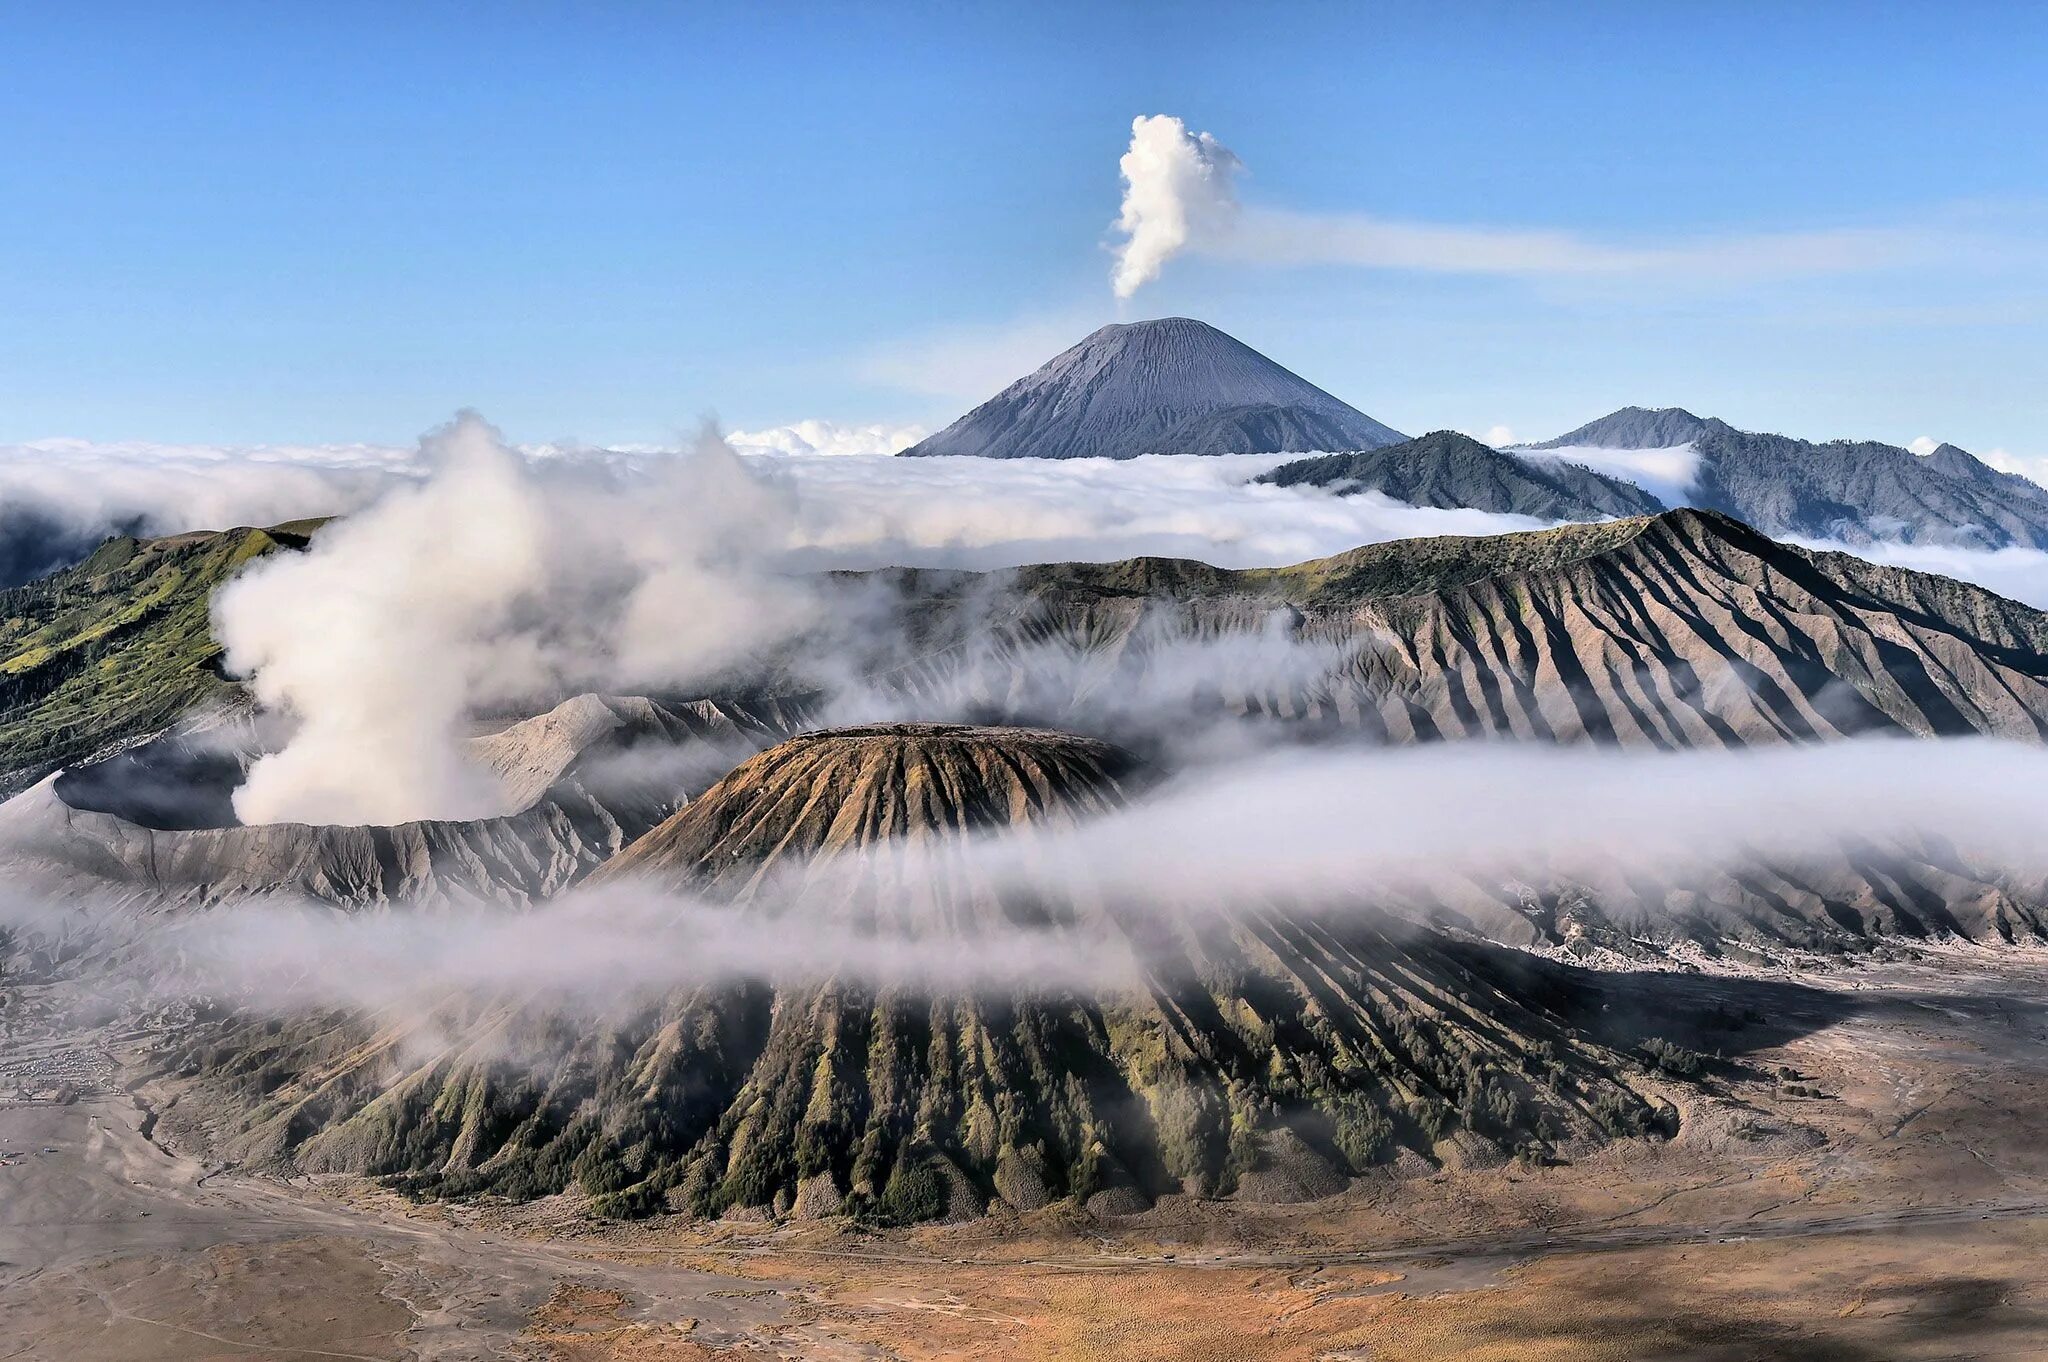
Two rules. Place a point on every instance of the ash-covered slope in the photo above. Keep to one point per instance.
(1856, 491)
(155, 824)
(1447, 469)
(1243, 1052)
(1172, 386)
(1686, 629)
(849, 789)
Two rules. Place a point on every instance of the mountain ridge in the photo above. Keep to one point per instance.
(1447, 469)
(1853, 491)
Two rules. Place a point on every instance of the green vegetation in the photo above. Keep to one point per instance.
(118, 646)
(1673, 1059)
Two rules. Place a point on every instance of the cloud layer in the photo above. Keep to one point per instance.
(475, 577)
(1302, 834)
(826, 437)
(59, 498)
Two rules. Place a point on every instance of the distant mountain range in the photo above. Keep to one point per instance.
(1180, 386)
(1447, 469)
(1856, 491)
(1172, 386)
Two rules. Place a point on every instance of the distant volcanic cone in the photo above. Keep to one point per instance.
(1169, 386)
(1249, 1053)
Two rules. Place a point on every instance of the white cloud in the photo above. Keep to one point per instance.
(1180, 196)
(2032, 467)
(1500, 437)
(1302, 832)
(989, 513)
(58, 498)
(1667, 474)
(1177, 186)
(1284, 237)
(826, 437)
(1924, 444)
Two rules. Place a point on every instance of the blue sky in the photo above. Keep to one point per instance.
(323, 223)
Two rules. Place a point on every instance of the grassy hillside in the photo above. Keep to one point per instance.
(116, 647)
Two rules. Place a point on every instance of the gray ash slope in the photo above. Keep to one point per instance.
(1174, 386)
(1446, 469)
(1856, 491)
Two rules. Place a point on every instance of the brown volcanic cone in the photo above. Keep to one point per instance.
(847, 789)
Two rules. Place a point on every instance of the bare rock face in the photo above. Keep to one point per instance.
(1681, 630)
(817, 1198)
(849, 789)
(1173, 386)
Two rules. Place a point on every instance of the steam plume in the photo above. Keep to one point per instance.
(1176, 184)
(494, 581)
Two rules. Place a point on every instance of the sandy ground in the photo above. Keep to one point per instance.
(113, 1249)
(1868, 1180)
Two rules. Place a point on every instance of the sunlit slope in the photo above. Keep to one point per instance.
(118, 646)
(1685, 629)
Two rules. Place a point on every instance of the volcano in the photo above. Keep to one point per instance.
(1171, 386)
(1247, 1053)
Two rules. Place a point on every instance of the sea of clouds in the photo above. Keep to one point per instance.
(470, 573)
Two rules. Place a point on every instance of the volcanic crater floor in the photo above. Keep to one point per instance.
(1869, 1182)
